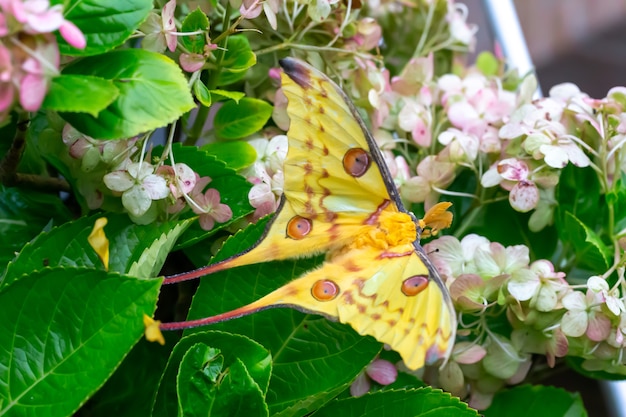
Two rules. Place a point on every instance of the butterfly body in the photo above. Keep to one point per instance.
(340, 199)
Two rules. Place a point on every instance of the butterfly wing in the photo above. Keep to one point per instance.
(337, 189)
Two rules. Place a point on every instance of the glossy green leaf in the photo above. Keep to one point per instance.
(238, 395)
(238, 120)
(105, 25)
(591, 252)
(121, 395)
(24, 214)
(64, 330)
(423, 402)
(203, 389)
(233, 347)
(236, 154)
(232, 95)
(578, 192)
(194, 22)
(137, 250)
(196, 382)
(80, 93)
(536, 401)
(238, 57)
(202, 93)
(304, 346)
(153, 93)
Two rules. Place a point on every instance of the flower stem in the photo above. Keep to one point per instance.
(9, 164)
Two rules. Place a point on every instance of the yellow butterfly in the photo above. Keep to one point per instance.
(340, 199)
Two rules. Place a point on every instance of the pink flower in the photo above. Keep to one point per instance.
(181, 179)
(368, 35)
(432, 176)
(462, 147)
(380, 371)
(416, 74)
(584, 316)
(38, 16)
(513, 175)
(263, 200)
(210, 209)
(192, 62)
(160, 31)
(7, 90)
(37, 70)
(416, 119)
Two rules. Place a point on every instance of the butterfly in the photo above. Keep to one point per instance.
(340, 199)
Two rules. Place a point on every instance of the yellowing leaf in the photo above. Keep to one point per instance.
(99, 242)
(152, 330)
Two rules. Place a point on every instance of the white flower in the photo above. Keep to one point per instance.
(138, 185)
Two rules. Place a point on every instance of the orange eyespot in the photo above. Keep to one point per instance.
(414, 285)
(356, 162)
(298, 227)
(324, 290)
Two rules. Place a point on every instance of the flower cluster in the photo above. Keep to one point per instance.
(472, 135)
(266, 174)
(112, 170)
(547, 316)
(29, 54)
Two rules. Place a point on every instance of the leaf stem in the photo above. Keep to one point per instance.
(9, 164)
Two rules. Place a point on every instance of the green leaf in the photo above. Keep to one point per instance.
(426, 402)
(202, 93)
(148, 260)
(66, 329)
(238, 395)
(304, 346)
(487, 63)
(232, 95)
(238, 57)
(576, 363)
(201, 387)
(105, 25)
(194, 22)
(153, 93)
(591, 252)
(233, 347)
(616, 198)
(238, 120)
(121, 395)
(80, 93)
(198, 373)
(536, 401)
(578, 192)
(236, 154)
(137, 250)
(23, 215)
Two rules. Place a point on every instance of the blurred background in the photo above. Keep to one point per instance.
(583, 42)
(580, 41)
